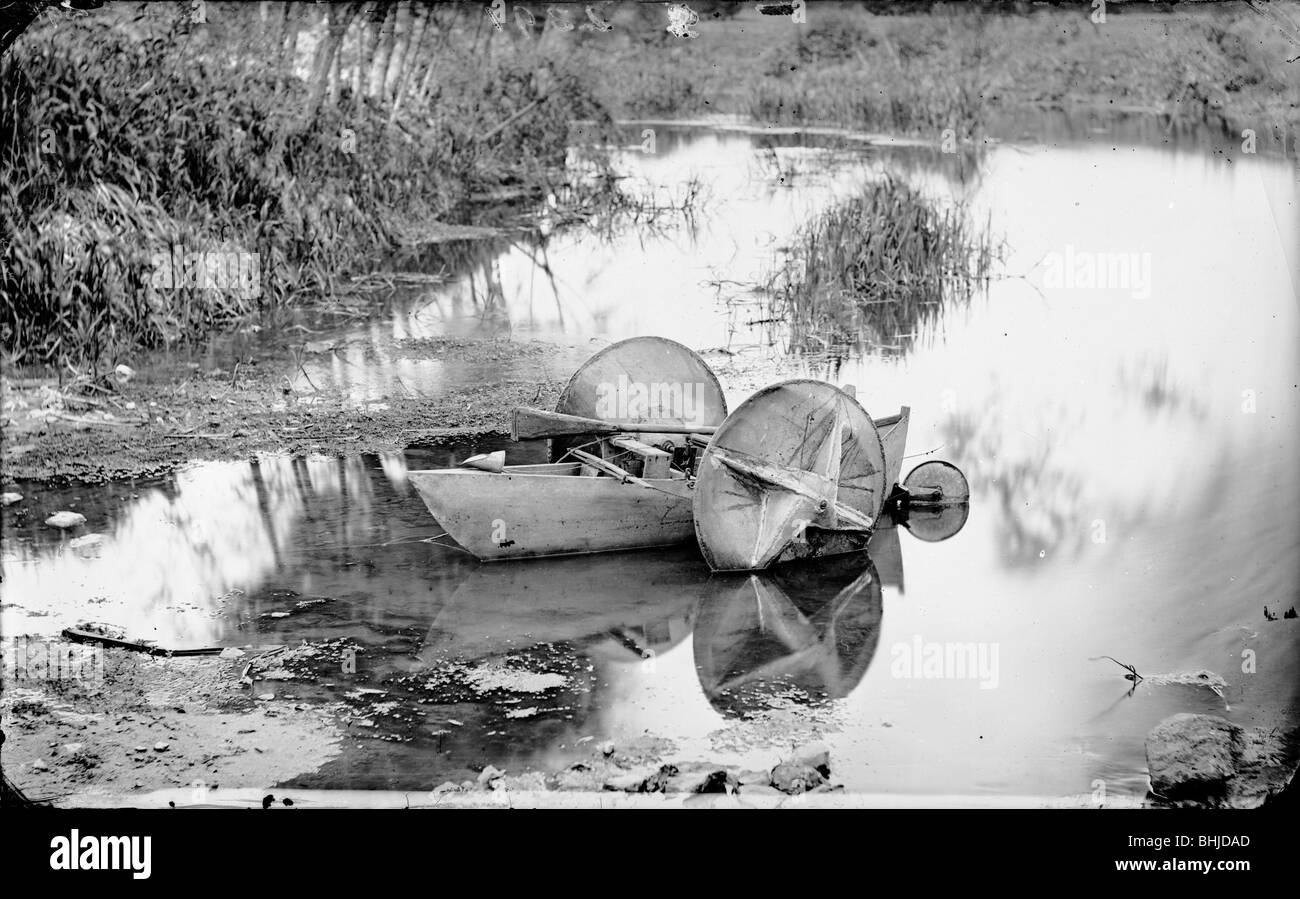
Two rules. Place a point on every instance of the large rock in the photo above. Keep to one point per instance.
(1192, 756)
(1208, 760)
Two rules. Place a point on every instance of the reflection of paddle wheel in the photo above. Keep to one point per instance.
(806, 628)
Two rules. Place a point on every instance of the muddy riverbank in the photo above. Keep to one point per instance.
(207, 732)
(148, 425)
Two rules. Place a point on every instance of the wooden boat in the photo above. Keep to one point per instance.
(555, 509)
(644, 454)
(573, 508)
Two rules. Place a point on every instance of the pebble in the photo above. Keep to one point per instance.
(489, 774)
(124, 373)
(9, 499)
(232, 652)
(266, 697)
(39, 765)
(606, 748)
(65, 520)
(161, 747)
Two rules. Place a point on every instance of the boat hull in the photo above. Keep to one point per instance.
(532, 511)
(529, 511)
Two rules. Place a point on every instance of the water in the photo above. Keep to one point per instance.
(1131, 451)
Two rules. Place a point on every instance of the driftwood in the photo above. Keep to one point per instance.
(80, 636)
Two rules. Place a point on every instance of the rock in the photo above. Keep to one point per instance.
(232, 652)
(39, 765)
(1208, 760)
(643, 779)
(531, 781)
(65, 520)
(266, 697)
(1192, 756)
(606, 749)
(446, 787)
(8, 499)
(161, 746)
(124, 373)
(795, 779)
(700, 778)
(87, 546)
(488, 775)
(814, 755)
(754, 778)
(142, 749)
(73, 748)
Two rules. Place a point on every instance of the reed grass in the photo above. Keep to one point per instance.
(874, 269)
(118, 144)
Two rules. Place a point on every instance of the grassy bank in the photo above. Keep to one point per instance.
(163, 177)
(923, 70)
(875, 269)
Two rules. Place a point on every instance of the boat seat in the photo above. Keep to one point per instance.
(654, 462)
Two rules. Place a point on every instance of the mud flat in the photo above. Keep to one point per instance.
(164, 418)
(152, 724)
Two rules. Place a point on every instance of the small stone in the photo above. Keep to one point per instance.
(606, 748)
(124, 373)
(489, 774)
(795, 779)
(446, 787)
(529, 782)
(813, 755)
(637, 780)
(161, 746)
(65, 520)
(266, 697)
(39, 765)
(87, 546)
(699, 778)
(73, 748)
(9, 499)
(232, 652)
(142, 749)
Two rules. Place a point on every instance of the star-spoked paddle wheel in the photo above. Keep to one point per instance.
(797, 459)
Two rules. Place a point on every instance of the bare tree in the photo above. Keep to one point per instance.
(338, 17)
(384, 52)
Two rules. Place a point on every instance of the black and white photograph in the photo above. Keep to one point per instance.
(617, 405)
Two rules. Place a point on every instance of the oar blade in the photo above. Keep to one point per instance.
(534, 424)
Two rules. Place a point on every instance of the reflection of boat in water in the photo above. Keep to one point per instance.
(812, 625)
(808, 627)
(631, 604)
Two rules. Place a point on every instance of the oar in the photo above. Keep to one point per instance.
(609, 468)
(531, 424)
